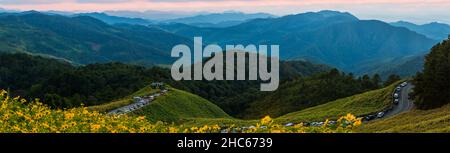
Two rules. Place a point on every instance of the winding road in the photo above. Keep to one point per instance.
(405, 104)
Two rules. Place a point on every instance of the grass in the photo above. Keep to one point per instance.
(361, 104)
(184, 108)
(178, 105)
(217, 121)
(416, 121)
(124, 101)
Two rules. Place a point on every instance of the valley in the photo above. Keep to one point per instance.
(334, 68)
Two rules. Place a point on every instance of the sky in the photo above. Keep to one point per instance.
(417, 11)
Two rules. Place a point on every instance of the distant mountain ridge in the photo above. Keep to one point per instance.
(116, 20)
(219, 19)
(434, 30)
(334, 38)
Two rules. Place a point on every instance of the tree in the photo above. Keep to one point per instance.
(433, 86)
(376, 81)
(392, 79)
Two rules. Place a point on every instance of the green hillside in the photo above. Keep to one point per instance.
(308, 92)
(175, 106)
(361, 104)
(178, 105)
(431, 121)
(124, 101)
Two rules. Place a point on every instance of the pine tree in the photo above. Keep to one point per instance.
(432, 86)
(392, 79)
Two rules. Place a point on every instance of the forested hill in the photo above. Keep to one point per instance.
(84, 39)
(61, 84)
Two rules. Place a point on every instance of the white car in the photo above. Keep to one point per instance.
(380, 114)
(289, 124)
(396, 101)
(404, 84)
(396, 95)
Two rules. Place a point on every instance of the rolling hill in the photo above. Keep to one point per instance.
(416, 121)
(306, 92)
(175, 106)
(334, 38)
(360, 104)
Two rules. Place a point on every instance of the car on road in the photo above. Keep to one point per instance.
(289, 124)
(332, 122)
(396, 101)
(380, 114)
(396, 95)
(404, 84)
(398, 89)
(369, 117)
(320, 123)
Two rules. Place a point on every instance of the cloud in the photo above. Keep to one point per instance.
(102, 1)
(19, 2)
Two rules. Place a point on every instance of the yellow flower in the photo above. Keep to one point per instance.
(266, 120)
(140, 118)
(69, 116)
(357, 122)
(276, 131)
(19, 113)
(64, 126)
(326, 123)
(95, 127)
(173, 130)
(6, 116)
(3, 92)
(350, 117)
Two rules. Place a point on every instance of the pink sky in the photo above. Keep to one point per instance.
(419, 11)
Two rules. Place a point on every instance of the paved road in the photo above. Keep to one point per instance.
(405, 103)
(139, 102)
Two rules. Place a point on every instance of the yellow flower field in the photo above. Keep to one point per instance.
(19, 116)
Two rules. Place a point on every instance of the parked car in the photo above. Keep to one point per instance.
(369, 117)
(332, 122)
(289, 124)
(404, 84)
(380, 114)
(396, 95)
(320, 124)
(396, 101)
(398, 89)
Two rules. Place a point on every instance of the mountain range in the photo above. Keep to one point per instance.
(115, 19)
(84, 39)
(434, 30)
(225, 19)
(338, 39)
